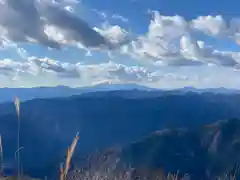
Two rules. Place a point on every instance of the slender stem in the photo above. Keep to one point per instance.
(18, 153)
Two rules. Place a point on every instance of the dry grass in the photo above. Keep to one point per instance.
(70, 151)
(122, 175)
(130, 175)
(17, 105)
(61, 172)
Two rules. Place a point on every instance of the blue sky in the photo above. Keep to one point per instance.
(157, 43)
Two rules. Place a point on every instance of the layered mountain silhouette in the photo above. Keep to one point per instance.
(107, 119)
(206, 152)
(8, 94)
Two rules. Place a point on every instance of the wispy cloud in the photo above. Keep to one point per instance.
(42, 67)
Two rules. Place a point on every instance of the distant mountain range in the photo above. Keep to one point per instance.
(8, 94)
(103, 119)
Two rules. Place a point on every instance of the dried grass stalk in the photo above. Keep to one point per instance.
(70, 152)
(17, 105)
(61, 172)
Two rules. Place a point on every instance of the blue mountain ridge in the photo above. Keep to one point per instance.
(103, 119)
(8, 94)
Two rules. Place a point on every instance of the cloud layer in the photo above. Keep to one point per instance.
(48, 72)
(170, 42)
(49, 23)
(36, 68)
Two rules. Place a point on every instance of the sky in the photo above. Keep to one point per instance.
(157, 43)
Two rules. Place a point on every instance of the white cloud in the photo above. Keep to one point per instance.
(212, 25)
(50, 23)
(117, 16)
(48, 72)
(106, 16)
(166, 27)
(48, 65)
(169, 39)
(38, 68)
(192, 50)
(217, 26)
(170, 42)
(159, 42)
(114, 34)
